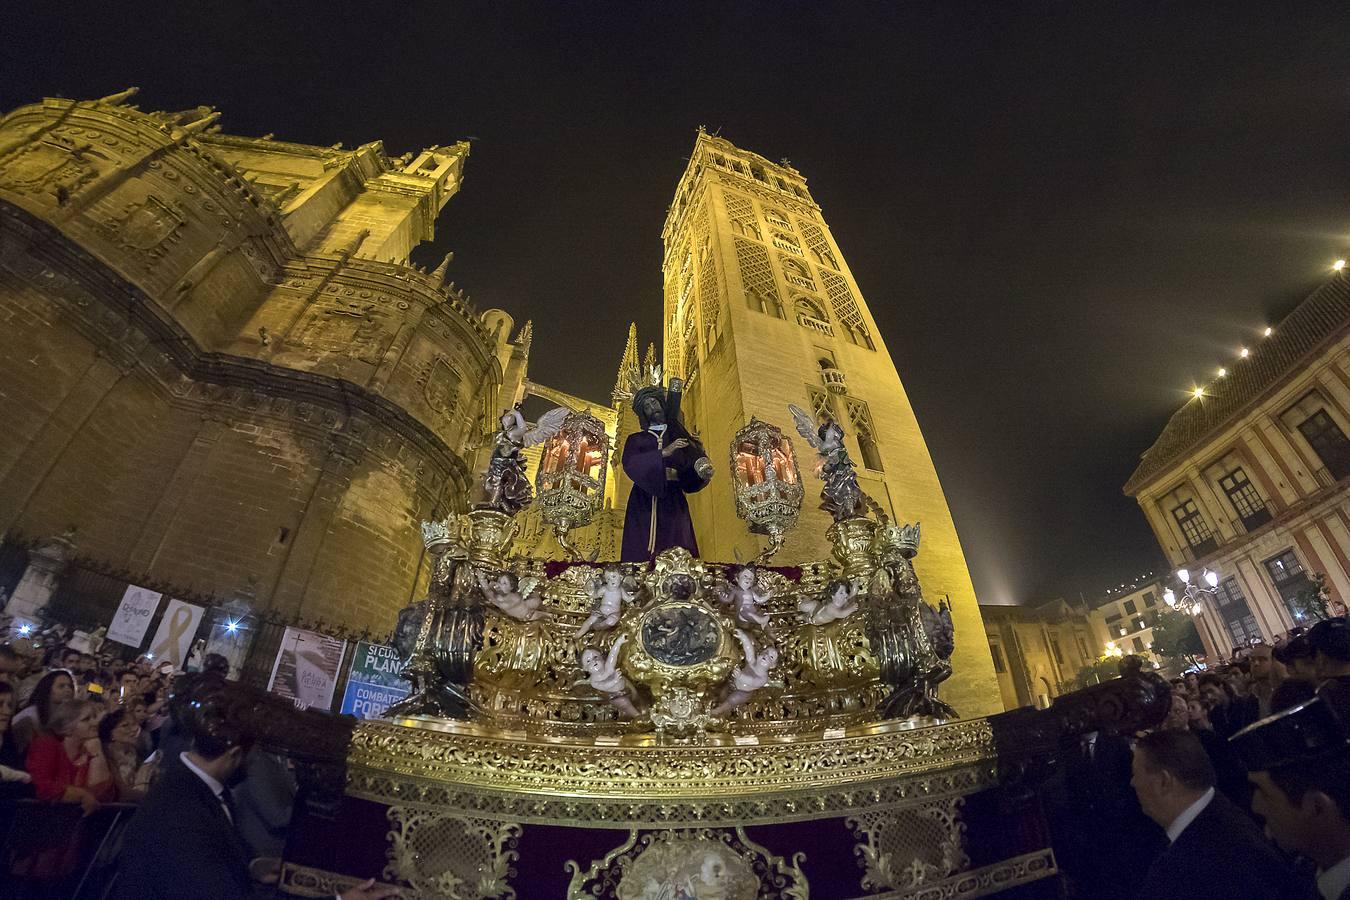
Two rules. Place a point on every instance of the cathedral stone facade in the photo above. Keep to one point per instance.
(217, 363)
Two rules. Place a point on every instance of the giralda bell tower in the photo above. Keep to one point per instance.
(761, 311)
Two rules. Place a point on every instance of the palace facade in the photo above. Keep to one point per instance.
(1249, 478)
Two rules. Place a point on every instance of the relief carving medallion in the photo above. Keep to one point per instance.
(54, 166)
(146, 225)
(440, 386)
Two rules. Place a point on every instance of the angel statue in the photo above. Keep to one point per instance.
(746, 597)
(608, 595)
(602, 673)
(504, 484)
(840, 496)
(838, 603)
(748, 678)
(514, 597)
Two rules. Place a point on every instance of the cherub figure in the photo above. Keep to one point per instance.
(505, 486)
(745, 596)
(602, 672)
(608, 594)
(748, 678)
(838, 603)
(840, 496)
(504, 591)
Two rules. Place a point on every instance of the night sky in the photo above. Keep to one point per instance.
(1063, 215)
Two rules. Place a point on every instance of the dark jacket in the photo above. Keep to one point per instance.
(1222, 855)
(180, 845)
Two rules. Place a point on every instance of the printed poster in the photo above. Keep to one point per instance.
(133, 615)
(306, 669)
(176, 630)
(374, 683)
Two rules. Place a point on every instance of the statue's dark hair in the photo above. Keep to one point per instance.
(512, 578)
(834, 585)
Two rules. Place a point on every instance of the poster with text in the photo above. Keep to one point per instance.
(306, 668)
(133, 615)
(374, 683)
(173, 638)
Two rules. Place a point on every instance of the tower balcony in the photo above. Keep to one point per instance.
(834, 380)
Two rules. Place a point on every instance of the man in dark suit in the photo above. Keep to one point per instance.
(1300, 769)
(182, 844)
(1099, 835)
(1215, 850)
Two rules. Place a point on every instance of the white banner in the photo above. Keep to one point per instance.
(173, 639)
(133, 615)
(306, 668)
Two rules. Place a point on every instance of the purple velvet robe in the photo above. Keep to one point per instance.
(655, 504)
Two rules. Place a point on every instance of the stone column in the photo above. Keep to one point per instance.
(46, 561)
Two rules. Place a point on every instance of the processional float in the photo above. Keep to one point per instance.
(681, 728)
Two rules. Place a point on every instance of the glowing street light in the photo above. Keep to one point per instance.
(1192, 596)
(1199, 393)
(1244, 353)
(1268, 332)
(1338, 265)
(1222, 371)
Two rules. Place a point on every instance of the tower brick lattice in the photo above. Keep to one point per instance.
(760, 311)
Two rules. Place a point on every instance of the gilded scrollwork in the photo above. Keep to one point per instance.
(982, 882)
(450, 857)
(690, 862)
(638, 768)
(910, 848)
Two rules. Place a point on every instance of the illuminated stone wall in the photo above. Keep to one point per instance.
(761, 311)
(217, 363)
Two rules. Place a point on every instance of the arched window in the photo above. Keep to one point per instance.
(797, 273)
(805, 306)
(770, 306)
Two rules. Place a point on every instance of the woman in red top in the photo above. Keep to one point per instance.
(66, 761)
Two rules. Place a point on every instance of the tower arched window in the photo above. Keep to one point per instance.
(807, 306)
(763, 303)
(797, 273)
(861, 420)
(858, 335)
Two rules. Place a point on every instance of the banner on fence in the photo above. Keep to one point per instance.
(133, 615)
(373, 683)
(306, 668)
(173, 638)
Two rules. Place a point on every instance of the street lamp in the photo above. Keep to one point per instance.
(1193, 594)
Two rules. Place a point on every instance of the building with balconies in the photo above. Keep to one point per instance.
(1251, 478)
(1125, 619)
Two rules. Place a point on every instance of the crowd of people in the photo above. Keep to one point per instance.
(79, 727)
(1243, 791)
(1188, 811)
(84, 729)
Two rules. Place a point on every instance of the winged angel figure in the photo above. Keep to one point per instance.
(840, 496)
(504, 484)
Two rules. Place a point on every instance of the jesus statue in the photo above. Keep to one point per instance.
(665, 462)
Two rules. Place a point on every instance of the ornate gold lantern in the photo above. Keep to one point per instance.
(768, 489)
(571, 477)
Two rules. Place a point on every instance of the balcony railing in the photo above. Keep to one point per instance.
(815, 325)
(834, 381)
